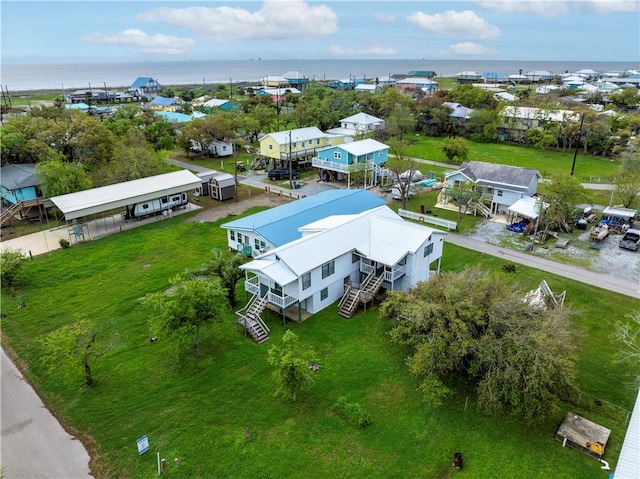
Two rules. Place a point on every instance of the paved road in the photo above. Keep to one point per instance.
(34, 444)
(628, 288)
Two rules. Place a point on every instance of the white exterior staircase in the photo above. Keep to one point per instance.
(249, 318)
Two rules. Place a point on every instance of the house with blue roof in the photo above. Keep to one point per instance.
(146, 86)
(165, 104)
(275, 227)
(338, 162)
(342, 257)
(174, 117)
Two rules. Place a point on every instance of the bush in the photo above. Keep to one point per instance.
(353, 413)
(510, 267)
(64, 244)
(11, 262)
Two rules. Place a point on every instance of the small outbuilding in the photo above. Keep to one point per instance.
(624, 215)
(218, 184)
(586, 436)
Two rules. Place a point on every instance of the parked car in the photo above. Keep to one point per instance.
(631, 240)
(283, 174)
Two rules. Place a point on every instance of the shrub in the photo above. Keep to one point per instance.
(353, 413)
(11, 262)
(510, 267)
(64, 244)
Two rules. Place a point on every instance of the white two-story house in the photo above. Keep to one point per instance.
(358, 125)
(346, 258)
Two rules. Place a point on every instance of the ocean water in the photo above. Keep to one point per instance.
(65, 77)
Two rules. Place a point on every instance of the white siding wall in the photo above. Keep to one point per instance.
(248, 238)
(334, 283)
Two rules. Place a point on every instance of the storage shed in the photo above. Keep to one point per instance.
(623, 214)
(586, 436)
(222, 186)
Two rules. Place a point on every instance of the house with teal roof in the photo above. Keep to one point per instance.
(275, 227)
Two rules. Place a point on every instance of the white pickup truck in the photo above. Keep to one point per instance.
(631, 240)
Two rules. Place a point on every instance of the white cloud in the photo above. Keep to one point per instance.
(384, 17)
(143, 42)
(277, 19)
(373, 49)
(465, 24)
(467, 49)
(614, 6)
(543, 8)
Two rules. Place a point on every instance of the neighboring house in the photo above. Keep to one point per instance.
(96, 96)
(276, 227)
(174, 117)
(278, 94)
(336, 161)
(540, 75)
(226, 105)
(420, 83)
(165, 104)
(358, 124)
(501, 185)
(216, 148)
(516, 120)
(504, 96)
(468, 77)
(275, 81)
(301, 143)
(422, 73)
(342, 84)
(367, 87)
(458, 112)
(495, 77)
(146, 86)
(342, 256)
(295, 79)
(19, 183)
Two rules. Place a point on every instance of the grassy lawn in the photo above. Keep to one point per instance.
(588, 169)
(218, 414)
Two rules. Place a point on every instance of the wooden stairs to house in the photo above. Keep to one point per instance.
(482, 209)
(353, 297)
(249, 318)
(9, 213)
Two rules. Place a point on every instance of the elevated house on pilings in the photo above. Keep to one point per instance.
(342, 258)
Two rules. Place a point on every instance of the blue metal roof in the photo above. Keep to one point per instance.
(142, 81)
(163, 101)
(174, 117)
(280, 225)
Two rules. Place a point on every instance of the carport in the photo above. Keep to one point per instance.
(77, 207)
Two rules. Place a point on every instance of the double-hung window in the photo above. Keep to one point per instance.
(306, 281)
(328, 269)
(428, 249)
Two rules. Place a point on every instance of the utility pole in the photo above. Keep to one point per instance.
(575, 153)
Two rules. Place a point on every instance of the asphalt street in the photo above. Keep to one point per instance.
(34, 444)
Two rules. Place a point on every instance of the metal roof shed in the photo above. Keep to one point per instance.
(105, 198)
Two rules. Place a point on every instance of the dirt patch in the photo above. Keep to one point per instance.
(223, 209)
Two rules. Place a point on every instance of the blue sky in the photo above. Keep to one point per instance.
(79, 31)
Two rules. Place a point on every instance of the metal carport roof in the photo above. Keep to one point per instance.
(105, 198)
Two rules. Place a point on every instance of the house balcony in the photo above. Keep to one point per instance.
(329, 165)
(252, 286)
(389, 276)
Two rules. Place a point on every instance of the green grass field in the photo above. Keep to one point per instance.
(218, 414)
(588, 169)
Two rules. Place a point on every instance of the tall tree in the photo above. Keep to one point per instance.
(59, 178)
(402, 169)
(291, 363)
(627, 186)
(71, 348)
(563, 193)
(227, 268)
(520, 357)
(182, 311)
